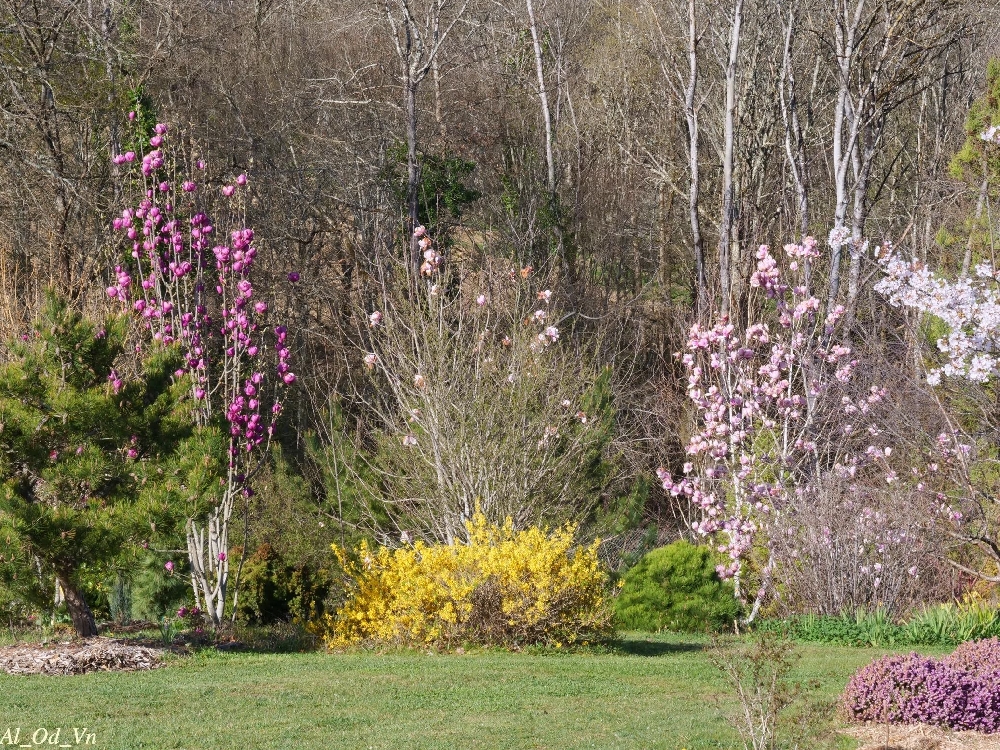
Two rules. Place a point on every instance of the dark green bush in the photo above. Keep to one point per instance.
(273, 590)
(676, 588)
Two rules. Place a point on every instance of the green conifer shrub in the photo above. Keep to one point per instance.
(675, 588)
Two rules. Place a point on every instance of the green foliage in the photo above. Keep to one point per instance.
(343, 473)
(675, 588)
(599, 469)
(285, 576)
(273, 590)
(972, 162)
(444, 191)
(975, 163)
(952, 624)
(120, 600)
(145, 119)
(860, 629)
(86, 470)
(156, 595)
(939, 626)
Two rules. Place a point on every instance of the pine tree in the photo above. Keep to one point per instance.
(78, 447)
(978, 164)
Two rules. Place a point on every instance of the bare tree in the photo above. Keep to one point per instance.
(795, 146)
(418, 35)
(474, 406)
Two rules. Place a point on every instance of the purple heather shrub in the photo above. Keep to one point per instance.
(917, 689)
(978, 657)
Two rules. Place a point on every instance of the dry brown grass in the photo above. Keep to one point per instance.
(921, 737)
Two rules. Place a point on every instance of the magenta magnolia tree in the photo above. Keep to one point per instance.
(780, 417)
(189, 284)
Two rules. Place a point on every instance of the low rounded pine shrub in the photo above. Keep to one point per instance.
(503, 588)
(918, 689)
(675, 588)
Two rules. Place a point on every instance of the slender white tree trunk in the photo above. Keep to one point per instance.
(543, 97)
(967, 258)
(691, 114)
(728, 189)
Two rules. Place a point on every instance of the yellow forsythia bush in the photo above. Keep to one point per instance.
(503, 588)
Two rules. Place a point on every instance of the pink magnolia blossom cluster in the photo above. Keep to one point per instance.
(191, 286)
(432, 258)
(550, 333)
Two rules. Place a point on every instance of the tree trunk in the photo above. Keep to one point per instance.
(795, 139)
(412, 173)
(550, 162)
(79, 612)
(967, 259)
(728, 189)
(691, 114)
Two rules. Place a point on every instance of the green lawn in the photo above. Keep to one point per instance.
(658, 692)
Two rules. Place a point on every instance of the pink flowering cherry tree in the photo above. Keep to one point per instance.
(188, 280)
(969, 309)
(777, 412)
(969, 306)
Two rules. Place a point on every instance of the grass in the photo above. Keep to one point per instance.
(656, 692)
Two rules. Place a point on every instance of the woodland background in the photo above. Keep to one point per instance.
(635, 154)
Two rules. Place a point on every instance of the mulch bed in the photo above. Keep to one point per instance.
(79, 657)
(921, 737)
